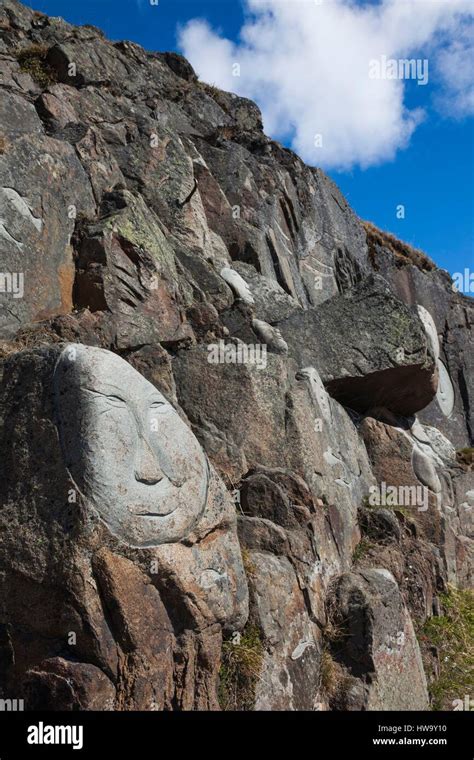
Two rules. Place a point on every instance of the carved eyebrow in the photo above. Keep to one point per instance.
(113, 392)
(156, 400)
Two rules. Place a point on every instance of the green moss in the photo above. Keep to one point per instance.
(362, 549)
(453, 636)
(329, 673)
(32, 61)
(240, 670)
(138, 226)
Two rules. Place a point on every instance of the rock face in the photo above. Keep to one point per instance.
(371, 351)
(230, 421)
(379, 646)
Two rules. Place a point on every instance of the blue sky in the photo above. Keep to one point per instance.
(432, 177)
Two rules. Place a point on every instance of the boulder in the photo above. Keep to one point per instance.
(37, 216)
(126, 267)
(370, 349)
(378, 642)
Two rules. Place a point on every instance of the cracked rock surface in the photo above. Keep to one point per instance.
(150, 216)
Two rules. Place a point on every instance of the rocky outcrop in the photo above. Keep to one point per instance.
(378, 644)
(449, 316)
(230, 414)
(370, 350)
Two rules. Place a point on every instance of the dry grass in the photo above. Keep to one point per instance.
(32, 60)
(404, 253)
(465, 456)
(333, 632)
(28, 338)
(335, 681)
(211, 89)
(240, 670)
(248, 563)
(329, 673)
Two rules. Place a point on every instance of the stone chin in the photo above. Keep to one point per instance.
(127, 450)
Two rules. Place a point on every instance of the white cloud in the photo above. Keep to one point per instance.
(455, 66)
(306, 64)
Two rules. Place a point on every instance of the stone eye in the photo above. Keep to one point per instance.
(116, 401)
(159, 407)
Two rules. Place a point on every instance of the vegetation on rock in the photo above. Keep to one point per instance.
(32, 60)
(452, 635)
(404, 253)
(241, 667)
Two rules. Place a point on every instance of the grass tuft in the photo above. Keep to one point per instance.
(361, 550)
(452, 634)
(465, 456)
(33, 61)
(404, 253)
(240, 670)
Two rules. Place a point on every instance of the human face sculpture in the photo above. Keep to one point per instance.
(445, 394)
(126, 448)
(430, 329)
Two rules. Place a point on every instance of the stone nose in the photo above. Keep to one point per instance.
(147, 468)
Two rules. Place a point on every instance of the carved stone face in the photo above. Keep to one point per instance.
(318, 390)
(430, 329)
(127, 449)
(445, 394)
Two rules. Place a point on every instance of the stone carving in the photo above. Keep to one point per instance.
(430, 452)
(270, 335)
(433, 443)
(318, 390)
(418, 431)
(424, 469)
(122, 513)
(127, 449)
(430, 329)
(469, 503)
(445, 392)
(238, 284)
